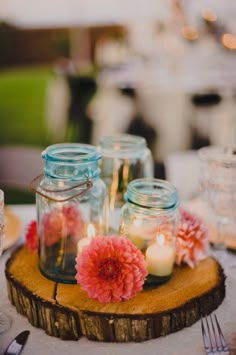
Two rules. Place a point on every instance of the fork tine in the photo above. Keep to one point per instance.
(213, 337)
(217, 345)
(204, 337)
(210, 336)
(221, 336)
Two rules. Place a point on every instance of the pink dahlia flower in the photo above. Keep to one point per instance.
(192, 239)
(74, 221)
(62, 222)
(110, 269)
(52, 226)
(31, 238)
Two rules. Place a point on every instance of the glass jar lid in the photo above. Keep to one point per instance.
(123, 146)
(71, 153)
(71, 161)
(153, 194)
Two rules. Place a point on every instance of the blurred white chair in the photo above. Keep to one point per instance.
(170, 121)
(110, 52)
(19, 165)
(204, 116)
(223, 131)
(111, 112)
(183, 171)
(57, 100)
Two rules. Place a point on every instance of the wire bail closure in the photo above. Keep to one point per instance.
(88, 184)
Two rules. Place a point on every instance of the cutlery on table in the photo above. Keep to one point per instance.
(17, 344)
(213, 338)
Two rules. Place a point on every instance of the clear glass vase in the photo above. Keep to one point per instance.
(149, 219)
(124, 158)
(218, 185)
(71, 204)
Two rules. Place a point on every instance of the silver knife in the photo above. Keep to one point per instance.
(16, 346)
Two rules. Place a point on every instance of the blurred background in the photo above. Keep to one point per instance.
(79, 70)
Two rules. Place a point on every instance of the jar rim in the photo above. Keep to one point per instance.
(71, 153)
(152, 193)
(122, 145)
(218, 154)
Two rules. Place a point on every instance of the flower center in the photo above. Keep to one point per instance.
(109, 269)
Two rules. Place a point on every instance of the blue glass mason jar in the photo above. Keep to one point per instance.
(71, 207)
(124, 158)
(149, 219)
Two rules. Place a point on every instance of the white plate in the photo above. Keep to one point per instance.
(12, 229)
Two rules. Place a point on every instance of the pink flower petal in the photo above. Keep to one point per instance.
(191, 243)
(111, 269)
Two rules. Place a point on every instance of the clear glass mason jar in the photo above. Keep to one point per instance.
(71, 203)
(124, 158)
(149, 219)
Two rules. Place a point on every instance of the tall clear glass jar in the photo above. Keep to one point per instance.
(124, 158)
(218, 187)
(70, 199)
(149, 219)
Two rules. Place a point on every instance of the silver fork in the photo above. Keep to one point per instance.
(213, 337)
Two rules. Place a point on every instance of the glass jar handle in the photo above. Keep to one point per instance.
(35, 183)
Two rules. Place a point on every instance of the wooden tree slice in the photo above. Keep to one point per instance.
(65, 311)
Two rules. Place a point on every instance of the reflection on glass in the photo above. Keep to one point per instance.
(124, 158)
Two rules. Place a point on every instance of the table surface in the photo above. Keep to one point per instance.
(185, 342)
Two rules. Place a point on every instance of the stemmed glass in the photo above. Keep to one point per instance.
(218, 184)
(4, 319)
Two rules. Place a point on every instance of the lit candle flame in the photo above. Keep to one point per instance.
(229, 41)
(189, 32)
(209, 15)
(91, 231)
(160, 239)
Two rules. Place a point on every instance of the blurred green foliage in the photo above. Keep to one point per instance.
(22, 102)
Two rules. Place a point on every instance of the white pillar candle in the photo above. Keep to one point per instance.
(86, 241)
(160, 257)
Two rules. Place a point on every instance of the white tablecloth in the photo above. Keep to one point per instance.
(185, 342)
